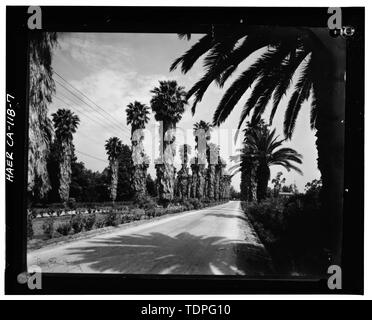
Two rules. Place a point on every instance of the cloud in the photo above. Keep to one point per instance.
(84, 48)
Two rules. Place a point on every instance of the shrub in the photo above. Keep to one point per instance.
(30, 230)
(77, 223)
(113, 219)
(146, 203)
(207, 201)
(71, 203)
(196, 203)
(101, 221)
(174, 209)
(159, 212)
(150, 213)
(138, 213)
(130, 217)
(64, 228)
(48, 227)
(89, 220)
(188, 204)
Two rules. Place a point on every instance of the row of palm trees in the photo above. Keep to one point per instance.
(208, 178)
(168, 104)
(212, 182)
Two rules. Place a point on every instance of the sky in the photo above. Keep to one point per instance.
(98, 74)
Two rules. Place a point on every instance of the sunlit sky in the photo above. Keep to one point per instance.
(107, 71)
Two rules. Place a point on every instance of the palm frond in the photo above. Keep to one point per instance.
(193, 54)
(287, 72)
(301, 93)
(257, 70)
(288, 166)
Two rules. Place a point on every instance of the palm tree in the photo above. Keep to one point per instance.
(138, 117)
(184, 151)
(65, 124)
(113, 148)
(263, 147)
(321, 62)
(42, 88)
(223, 179)
(202, 133)
(248, 164)
(248, 168)
(213, 151)
(183, 174)
(168, 103)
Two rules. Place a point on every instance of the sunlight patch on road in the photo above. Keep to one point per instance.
(170, 269)
(164, 257)
(237, 271)
(215, 270)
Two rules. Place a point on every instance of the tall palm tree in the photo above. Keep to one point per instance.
(65, 124)
(41, 90)
(168, 103)
(113, 148)
(213, 151)
(223, 178)
(202, 133)
(248, 164)
(263, 147)
(185, 151)
(321, 62)
(183, 174)
(138, 117)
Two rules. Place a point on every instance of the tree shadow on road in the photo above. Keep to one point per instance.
(228, 215)
(185, 253)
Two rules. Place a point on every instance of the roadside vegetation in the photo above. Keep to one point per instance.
(54, 222)
(292, 230)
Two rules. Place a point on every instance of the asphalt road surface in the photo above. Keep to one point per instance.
(216, 240)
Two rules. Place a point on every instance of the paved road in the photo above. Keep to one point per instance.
(216, 240)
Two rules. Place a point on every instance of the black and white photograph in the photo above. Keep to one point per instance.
(207, 151)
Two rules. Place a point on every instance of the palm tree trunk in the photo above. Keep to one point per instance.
(139, 173)
(40, 128)
(165, 170)
(201, 181)
(65, 171)
(139, 181)
(263, 176)
(248, 181)
(217, 183)
(194, 180)
(222, 187)
(114, 179)
(211, 180)
(182, 182)
(330, 140)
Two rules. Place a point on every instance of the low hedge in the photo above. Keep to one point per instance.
(85, 220)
